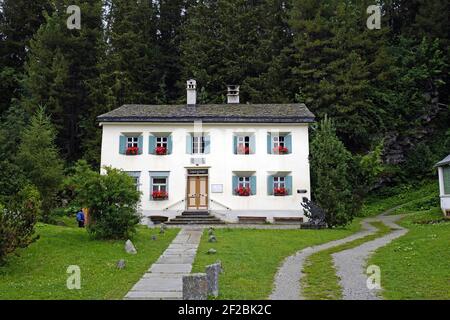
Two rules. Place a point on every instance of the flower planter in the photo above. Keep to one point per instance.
(160, 151)
(243, 192)
(132, 151)
(245, 150)
(160, 195)
(280, 192)
(280, 150)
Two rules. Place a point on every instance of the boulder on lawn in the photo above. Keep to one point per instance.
(212, 251)
(153, 237)
(129, 247)
(121, 264)
(210, 231)
(212, 238)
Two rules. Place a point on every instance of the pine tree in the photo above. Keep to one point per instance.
(39, 159)
(330, 161)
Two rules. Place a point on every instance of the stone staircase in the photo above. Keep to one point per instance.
(195, 217)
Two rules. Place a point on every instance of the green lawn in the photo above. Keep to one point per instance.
(320, 281)
(40, 270)
(250, 257)
(417, 265)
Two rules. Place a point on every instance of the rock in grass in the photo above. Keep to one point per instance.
(129, 247)
(210, 231)
(212, 238)
(121, 264)
(153, 237)
(212, 251)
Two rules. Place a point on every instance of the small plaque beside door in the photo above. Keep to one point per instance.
(217, 188)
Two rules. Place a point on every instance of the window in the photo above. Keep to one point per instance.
(279, 182)
(243, 145)
(132, 142)
(277, 141)
(135, 175)
(159, 184)
(244, 182)
(161, 142)
(446, 178)
(198, 144)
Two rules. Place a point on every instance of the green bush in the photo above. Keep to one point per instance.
(112, 200)
(18, 220)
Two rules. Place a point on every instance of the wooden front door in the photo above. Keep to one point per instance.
(197, 193)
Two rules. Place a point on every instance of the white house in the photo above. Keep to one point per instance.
(230, 160)
(444, 184)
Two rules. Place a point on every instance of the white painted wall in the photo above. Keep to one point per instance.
(221, 162)
(445, 198)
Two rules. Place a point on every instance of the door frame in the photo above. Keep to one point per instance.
(188, 175)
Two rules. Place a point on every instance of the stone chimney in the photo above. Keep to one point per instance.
(233, 94)
(191, 89)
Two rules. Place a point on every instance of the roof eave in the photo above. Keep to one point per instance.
(210, 119)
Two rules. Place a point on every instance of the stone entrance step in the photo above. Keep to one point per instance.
(195, 217)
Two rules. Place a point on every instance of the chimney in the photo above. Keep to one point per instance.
(191, 89)
(233, 94)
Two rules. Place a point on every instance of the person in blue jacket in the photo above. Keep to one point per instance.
(80, 218)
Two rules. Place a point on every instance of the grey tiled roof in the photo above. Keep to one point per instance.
(443, 162)
(244, 113)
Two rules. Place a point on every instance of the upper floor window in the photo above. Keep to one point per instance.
(197, 143)
(160, 143)
(279, 143)
(244, 144)
(130, 144)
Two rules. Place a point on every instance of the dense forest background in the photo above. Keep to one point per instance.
(387, 89)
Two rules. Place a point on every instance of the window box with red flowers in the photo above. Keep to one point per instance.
(161, 151)
(243, 191)
(280, 192)
(243, 150)
(160, 195)
(280, 150)
(132, 151)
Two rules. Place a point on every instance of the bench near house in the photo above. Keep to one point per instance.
(443, 167)
(229, 160)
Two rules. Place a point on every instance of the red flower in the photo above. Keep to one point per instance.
(161, 151)
(280, 150)
(280, 191)
(160, 195)
(242, 191)
(132, 151)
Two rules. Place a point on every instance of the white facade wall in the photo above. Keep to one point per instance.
(445, 198)
(221, 162)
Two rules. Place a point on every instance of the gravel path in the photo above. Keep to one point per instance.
(351, 264)
(287, 279)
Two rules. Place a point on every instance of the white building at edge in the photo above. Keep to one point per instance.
(210, 153)
(443, 167)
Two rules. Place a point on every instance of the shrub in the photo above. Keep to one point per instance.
(17, 222)
(112, 200)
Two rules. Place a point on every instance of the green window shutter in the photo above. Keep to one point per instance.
(446, 176)
(234, 183)
(253, 185)
(207, 140)
(270, 185)
(151, 144)
(269, 143)
(189, 144)
(169, 144)
(288, 142)
(122, 144)
(288, 182)
(235, 144)
(140, 144)
(252, 144)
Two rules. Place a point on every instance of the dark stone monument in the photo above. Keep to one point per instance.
(315, 215)
(195, 286)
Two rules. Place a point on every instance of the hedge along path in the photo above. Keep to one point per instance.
(351, 264)
(288, 276)
(320, 280)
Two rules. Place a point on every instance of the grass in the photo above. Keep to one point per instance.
(250, 257)
(320, 281)
(417, 265)
(40, 270)
(377, 204)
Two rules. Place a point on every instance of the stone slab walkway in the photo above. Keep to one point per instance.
(287, 278)
(351, 264)
(163, 280)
